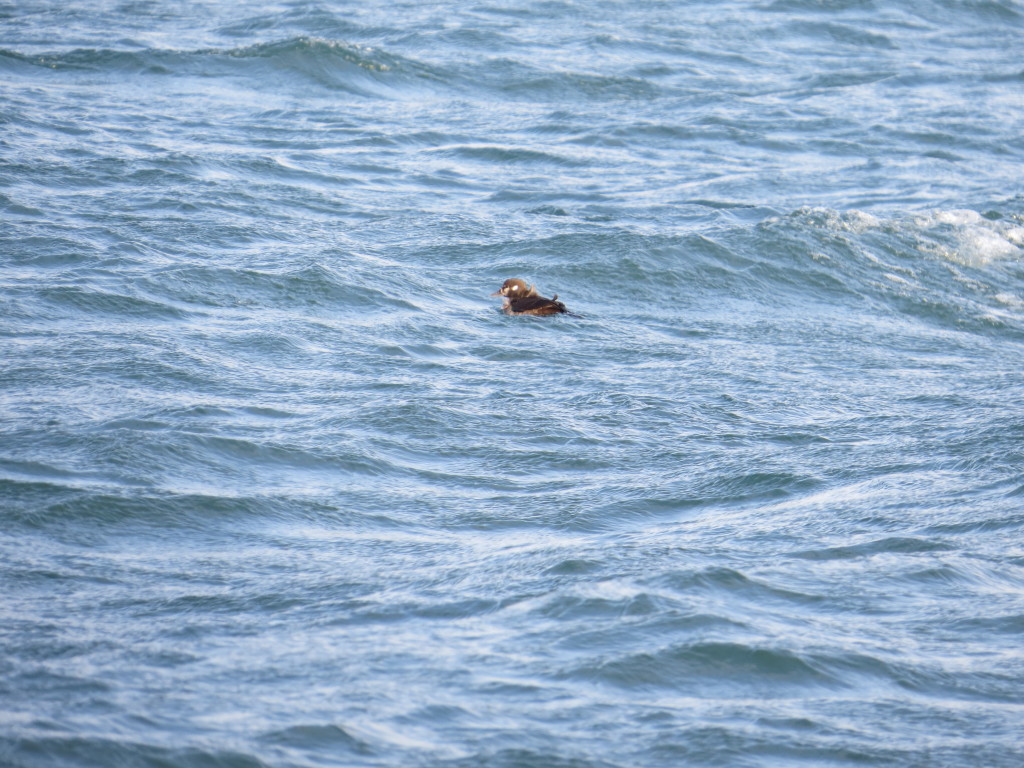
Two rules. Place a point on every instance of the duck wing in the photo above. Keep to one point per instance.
(536, 305)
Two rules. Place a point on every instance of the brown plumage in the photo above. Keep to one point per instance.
(523, 299)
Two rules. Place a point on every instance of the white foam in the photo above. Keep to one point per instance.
(1015, 235)
(958, 235)
(897, 279)
(1009, 300)
(981, 246)
(957, 218)
(978, 241)
(860, 221)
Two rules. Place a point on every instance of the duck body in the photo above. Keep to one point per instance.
(523, 299)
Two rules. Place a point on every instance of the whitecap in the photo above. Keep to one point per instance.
(981, 245)
(956, 218)
(976, 240)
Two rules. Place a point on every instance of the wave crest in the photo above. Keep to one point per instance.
(333, 64)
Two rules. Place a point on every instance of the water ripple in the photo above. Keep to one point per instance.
(283, 486)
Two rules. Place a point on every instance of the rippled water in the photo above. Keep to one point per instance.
(282, 486)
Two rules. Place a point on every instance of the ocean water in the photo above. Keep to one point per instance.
(282, 487)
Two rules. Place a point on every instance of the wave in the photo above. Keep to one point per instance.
(955, 269)
(336, 65)
(308, 286)
(892, 544)
(713, 668)
(522, 80)
(319, 736)
(95, 302)
(41, 748)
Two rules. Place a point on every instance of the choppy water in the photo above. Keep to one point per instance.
(281, 486)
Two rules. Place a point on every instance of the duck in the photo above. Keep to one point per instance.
(523, 299)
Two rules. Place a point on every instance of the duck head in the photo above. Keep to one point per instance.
(514, 288)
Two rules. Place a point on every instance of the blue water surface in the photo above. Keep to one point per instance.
(282, 487)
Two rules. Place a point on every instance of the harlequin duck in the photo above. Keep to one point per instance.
(523, 299)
